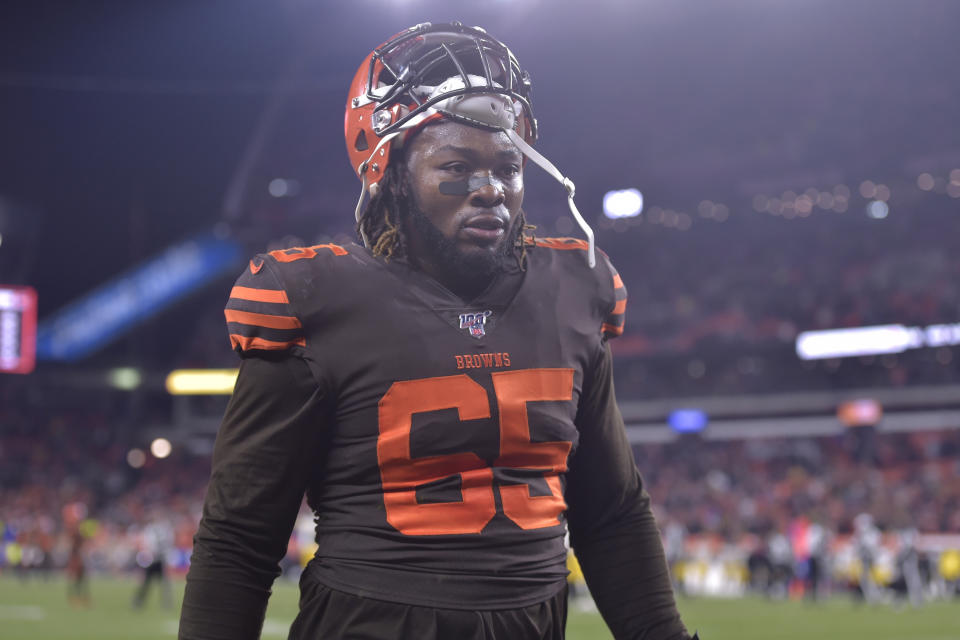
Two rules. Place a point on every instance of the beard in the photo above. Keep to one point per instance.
(468, 272)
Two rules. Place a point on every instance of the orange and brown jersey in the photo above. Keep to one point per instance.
(449, 427)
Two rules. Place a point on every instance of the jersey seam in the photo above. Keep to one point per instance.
(296, 351)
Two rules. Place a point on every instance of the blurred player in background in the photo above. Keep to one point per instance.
(866, 541)
(443, 394)
(781, 564)
(78, 583)
(156, 544)
(908, 565)
(674, 542)
(818, 560)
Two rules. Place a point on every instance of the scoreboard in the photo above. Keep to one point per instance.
(18, 329)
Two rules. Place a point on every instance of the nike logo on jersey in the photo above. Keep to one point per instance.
(483, 360)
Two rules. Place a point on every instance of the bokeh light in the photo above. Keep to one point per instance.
(878, 210)
(161, 448)
(136, 458)
(624, 203)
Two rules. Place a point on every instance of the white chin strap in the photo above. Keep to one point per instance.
(567, 183)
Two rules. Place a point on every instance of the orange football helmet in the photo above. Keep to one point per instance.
(433, 71)
(427, 72)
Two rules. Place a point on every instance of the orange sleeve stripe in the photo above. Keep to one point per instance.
(620, 307)
(262, 319)
(259, 295)
(246, 342)
(565, 244)
(617, 282)
(609, 328)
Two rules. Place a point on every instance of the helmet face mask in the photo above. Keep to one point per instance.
(414, 63)
(428, 72)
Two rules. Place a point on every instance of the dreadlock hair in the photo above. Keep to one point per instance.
(523, 240)
(381, 223)
(380, 220)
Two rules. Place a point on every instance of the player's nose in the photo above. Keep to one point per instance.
(490, 194)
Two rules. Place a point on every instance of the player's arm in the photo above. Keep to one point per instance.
(261, 467)
(612, 529)
(267, 445)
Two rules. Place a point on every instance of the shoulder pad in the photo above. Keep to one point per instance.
(295, 254)
(259, 314)
(612, 292)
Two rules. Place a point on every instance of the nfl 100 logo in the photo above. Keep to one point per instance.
(475, 322)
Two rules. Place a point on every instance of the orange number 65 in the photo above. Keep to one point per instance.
(401, 474)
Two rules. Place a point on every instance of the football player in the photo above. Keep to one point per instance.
(443, 394)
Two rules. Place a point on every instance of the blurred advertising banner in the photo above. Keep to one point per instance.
(18, 329)
(89, 323)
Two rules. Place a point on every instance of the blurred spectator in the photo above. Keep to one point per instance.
(156, 546)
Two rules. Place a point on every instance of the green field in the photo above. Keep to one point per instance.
(39, 610)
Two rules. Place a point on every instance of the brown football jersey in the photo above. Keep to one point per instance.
(441, 476)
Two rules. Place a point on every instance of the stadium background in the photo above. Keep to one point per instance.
(799, 164)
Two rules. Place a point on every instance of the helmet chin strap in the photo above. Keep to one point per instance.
(567, 183)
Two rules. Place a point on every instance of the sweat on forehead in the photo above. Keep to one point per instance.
(449, 134)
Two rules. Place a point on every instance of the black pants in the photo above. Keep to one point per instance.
(328, 615)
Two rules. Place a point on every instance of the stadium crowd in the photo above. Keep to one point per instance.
(718, 308)
(67, 472)
(738, 494)
(710, 322)
(758, 486)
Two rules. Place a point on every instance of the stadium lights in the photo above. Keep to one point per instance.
(872, 341)
(136, 458)
(124, 378)
(283, 188)
(626, 203)
(862, 412)
(201, 381)
(878, 209)
(160, 448)
(687, 420)
(859, 341)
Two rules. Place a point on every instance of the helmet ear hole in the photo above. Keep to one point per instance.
(361, 144)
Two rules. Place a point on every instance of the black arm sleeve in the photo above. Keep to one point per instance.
(612, 530)
(261, 467)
